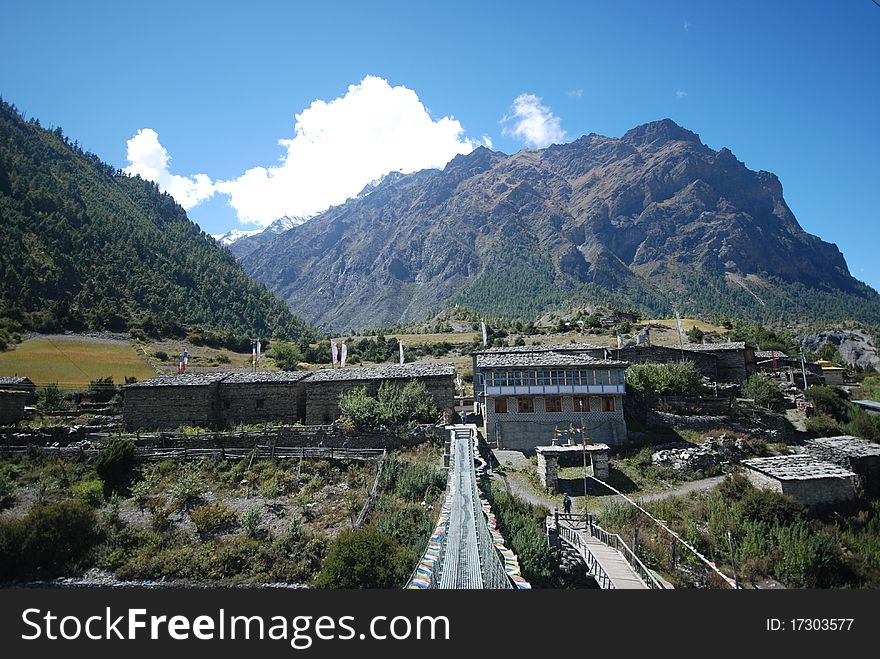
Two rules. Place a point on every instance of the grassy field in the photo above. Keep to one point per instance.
(73, 363)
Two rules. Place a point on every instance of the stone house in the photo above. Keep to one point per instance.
(806, 478)
(20, 383)
(323, 387)
(854, 453)
(525, 396)
(12, 404)
(169, 401)
(263, 396)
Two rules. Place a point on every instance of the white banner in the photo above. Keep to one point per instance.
(259, 346)
(343, 356)
(483, 327)
(400, 344)
(333, 352)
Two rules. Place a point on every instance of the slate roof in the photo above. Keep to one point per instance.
(799, 467)
(185, 380)
(714, 347)
(548, 347)
(265, 376)
(768, 354)
(544, 359)
(854, 447)
(393, 372)
(14, 379)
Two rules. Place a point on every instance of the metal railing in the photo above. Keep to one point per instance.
(576, 540)
(614, 541)
(233, 453)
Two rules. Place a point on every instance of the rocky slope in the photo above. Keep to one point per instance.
(648, 220)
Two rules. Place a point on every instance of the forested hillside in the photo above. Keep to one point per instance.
(84, 246)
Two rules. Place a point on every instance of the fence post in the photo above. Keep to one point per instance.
(672, 554)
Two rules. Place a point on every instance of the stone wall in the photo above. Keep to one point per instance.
(527, 431)
(322, 396)
(812, 492)
(172, 406)
(258, 402)
(12, 406)
(706, 363)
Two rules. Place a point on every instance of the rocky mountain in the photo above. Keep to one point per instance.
(234, 235)
(248, 241)
(649, 220)
(84, 246)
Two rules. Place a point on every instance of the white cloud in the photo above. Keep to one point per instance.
(575, 93)
(533, 122)
(341, 145)
(687, 26)
(680, 93)
(149, 159)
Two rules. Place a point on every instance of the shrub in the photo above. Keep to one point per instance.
(734, 487)
(394, 407)
(831, 401)
(90, 491)
(769, 507)
(822, 425)
(7, 496)
(213, 518)
(360, 409)
(251, 520)
(672, 379)
(49, 398)
(161, 355)
(863, 425)
(115, 462)
(287, 356)
(50, 540)
(160, 515)
(765, 392)
(363, 558)
(101, 390)
(188, 488)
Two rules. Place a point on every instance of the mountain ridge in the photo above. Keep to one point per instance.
(653, 219)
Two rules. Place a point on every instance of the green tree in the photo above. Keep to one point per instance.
(363, 558)
(287, 356)
(115, 463)
(765, 392)
(672, 379)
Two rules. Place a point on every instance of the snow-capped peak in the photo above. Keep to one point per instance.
(235, 234)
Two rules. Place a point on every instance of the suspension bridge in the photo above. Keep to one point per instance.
(466, 549)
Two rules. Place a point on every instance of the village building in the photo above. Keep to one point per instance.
(324, 387)
(831, 374)
(550, 458)
(262, 396)
(719, 362)
(12, 403)
(525, 397)
(169, 401)
(20, 383)
(854, 453)
(804, 477)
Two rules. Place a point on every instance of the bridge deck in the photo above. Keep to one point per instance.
(602, 560)
(461, 562)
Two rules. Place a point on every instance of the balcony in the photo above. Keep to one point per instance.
(557, 390)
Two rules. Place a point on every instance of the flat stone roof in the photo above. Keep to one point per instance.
(545, 359)
(848, 445)
(800, 467)
(714, 347)
(769, 354)
(185, 380)
(394, 372)
(544, 347)
(265, 376)
(14, 379)
(574, 448)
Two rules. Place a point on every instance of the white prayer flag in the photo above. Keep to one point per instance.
(343, 356)
(333, 352)
(483, 327)
(400, 344)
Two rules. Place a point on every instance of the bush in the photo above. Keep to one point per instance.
(161, 355)
(822, 425)
(115, 462)
(765, 392)
(49, 541)
(769, 507)
(101, 390)
(521, 524)
(7, 496)
(672, 379)
(394, 407)
(734, 487)
(188, 488)
(213, 518)
(49, 398)
(363, 558)
(863, 425)
(160, 515)
(287, 356)
(831, 401)
(251, 520)
(90, 491)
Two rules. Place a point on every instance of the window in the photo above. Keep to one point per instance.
(557, 377)
(607, 404)
(525, 405)
(226, 404)
(581, 404)
(500, 405)
(260, 403)
(533, 378)
(553, 404)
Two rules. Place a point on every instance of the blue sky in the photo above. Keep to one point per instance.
(789, 87)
